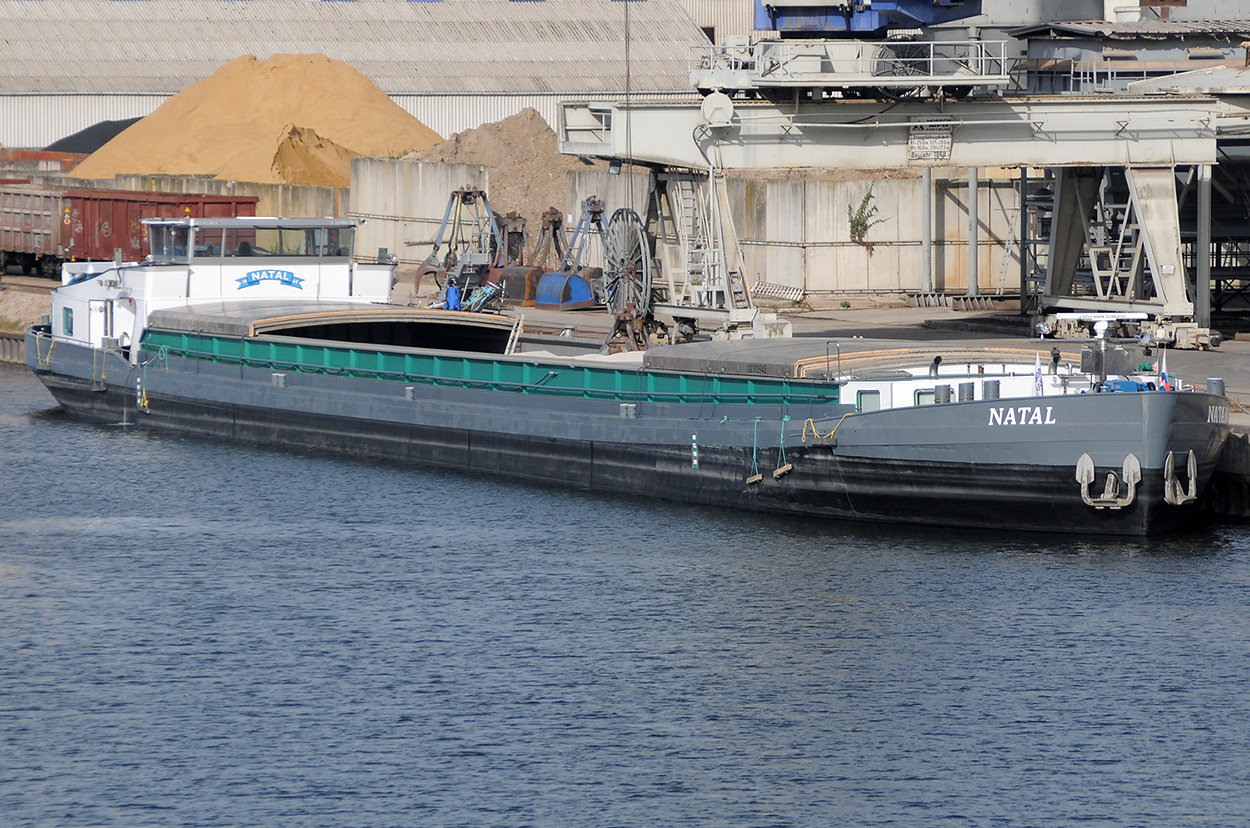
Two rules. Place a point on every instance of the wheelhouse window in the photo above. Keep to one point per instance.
(67, 322)
(311, 242)
(926, 397)
(209, 243)
(240, 242)
(169, 243)
(868, 401)
(331, 242)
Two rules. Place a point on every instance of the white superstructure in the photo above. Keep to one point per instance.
(210, 261)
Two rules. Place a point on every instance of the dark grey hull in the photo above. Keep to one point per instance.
(935, 466)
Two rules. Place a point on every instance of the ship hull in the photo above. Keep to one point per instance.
(954, 465)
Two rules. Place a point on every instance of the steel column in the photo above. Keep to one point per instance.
(1202, 253)
(926, 231)
(974, 232)
(1024, 241)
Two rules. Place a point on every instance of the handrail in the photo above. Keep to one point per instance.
(838, 346)
(788, 62)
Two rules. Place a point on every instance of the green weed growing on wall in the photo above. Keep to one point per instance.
(862, 220)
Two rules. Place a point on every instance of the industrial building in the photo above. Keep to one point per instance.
(454, 64)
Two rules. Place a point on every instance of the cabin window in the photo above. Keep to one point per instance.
(169, 243)
(67, 322)
(868, 401)
(208, 243)
(925, 397)
(320, 242)
(239, 242)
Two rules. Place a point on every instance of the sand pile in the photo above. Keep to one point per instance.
(527, 173)
(294, 119)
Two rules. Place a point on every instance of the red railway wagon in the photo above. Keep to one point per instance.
(41, 227)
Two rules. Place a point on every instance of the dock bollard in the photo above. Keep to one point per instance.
(967, 391)
(1215, 385)
(942, 394)
(989, 391)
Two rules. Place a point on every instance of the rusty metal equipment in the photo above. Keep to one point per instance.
(471, 236)
(474, 246)
(552, 239)
(572, 251)
(629, 266)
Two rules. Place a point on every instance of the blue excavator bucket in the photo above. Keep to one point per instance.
(564, 291)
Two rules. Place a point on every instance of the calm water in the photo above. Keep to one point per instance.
(194, 633)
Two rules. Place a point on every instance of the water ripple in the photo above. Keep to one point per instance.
(200, 634)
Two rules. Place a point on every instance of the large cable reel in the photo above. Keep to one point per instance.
(627, 270)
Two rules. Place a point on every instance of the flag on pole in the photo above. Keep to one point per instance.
(1037, 374)
(1164, 382)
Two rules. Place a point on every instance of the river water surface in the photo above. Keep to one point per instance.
(196, 633)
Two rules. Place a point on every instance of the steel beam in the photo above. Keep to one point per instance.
(1053, 131)
(1154, 198)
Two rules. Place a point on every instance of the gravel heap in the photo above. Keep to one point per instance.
(292, 119)
(527, 173)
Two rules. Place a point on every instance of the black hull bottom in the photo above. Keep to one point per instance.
(820, 484)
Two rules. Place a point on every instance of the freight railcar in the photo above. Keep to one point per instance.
(42, 226)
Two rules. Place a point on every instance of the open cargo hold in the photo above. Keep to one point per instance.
(41, 227)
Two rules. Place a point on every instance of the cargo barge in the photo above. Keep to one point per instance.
(269, 331)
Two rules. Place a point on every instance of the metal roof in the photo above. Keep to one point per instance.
(403, 46)
(1135, 30)
(254, 223)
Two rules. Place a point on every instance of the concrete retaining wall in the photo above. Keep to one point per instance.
(286, 200)
(794, 232)
(797, 234)
(12, 347)
(403, 202)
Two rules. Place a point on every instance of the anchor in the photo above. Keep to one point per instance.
(1172, 491)
(1110, 498)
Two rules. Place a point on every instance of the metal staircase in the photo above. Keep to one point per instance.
(702, 260)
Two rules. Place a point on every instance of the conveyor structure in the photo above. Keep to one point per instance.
(1152, 145)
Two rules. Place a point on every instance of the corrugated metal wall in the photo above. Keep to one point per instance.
(475, 49)
(34, 121)
(413, 47)
(729, 18)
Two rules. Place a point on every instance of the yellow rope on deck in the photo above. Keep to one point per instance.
(816, 435)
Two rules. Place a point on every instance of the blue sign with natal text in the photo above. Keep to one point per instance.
(255, 277)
